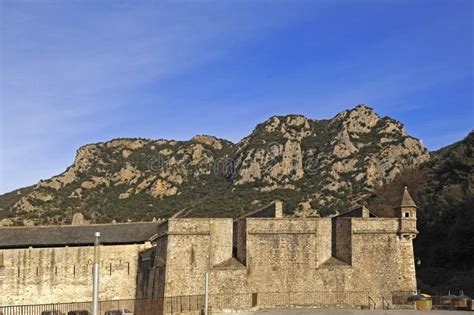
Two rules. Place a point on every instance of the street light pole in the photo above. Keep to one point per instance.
(95, 288)
(206, 288)
(206, 300)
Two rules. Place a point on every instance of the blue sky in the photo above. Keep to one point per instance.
(77, 72)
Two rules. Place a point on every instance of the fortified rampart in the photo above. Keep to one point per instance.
(267, 262)
(55, 275)
(40, 265)
(258, 261)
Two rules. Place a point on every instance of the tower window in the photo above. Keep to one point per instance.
(407, 214)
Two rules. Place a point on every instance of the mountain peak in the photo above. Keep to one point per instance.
(290, 120)
(360, 119)
(330, 165)
(362, 107)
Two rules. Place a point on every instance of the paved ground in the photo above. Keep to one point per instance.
(310, 311)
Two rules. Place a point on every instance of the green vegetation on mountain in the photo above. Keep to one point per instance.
(317, 167)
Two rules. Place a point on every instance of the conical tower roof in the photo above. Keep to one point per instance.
(407, 201)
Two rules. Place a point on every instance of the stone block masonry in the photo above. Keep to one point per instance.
(64, 274)
(53, 264)
(260, 261)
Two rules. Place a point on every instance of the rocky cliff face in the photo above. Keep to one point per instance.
(318, 167)
(348, 155)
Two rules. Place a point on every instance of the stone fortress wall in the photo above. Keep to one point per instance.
(266, 262)
(64, 274)
(261, 260)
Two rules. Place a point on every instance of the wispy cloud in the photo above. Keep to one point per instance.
(76, 72)
(66, 65)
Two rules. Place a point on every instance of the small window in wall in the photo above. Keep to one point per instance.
(407, 214)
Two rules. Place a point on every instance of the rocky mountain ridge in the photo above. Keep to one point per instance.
(318, 167)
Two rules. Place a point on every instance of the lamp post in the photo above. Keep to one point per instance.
(417, 264)
(95, 288)
(206, 287)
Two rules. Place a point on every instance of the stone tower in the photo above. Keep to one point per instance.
(406, 212)
(407, 207)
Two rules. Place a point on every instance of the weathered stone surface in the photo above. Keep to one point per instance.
(126, 153)
(162, 188)
(283, 261)
(262, 257)
(59, 275)
(78, 219)
(361, 151)
(209, 140)
(124, 195)
(6, 222)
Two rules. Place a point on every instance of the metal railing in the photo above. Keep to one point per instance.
(175, 304)
(401, 297)
(217, 302)
(291, 299)
(385, 303)
(181, 304)
(372, 302)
